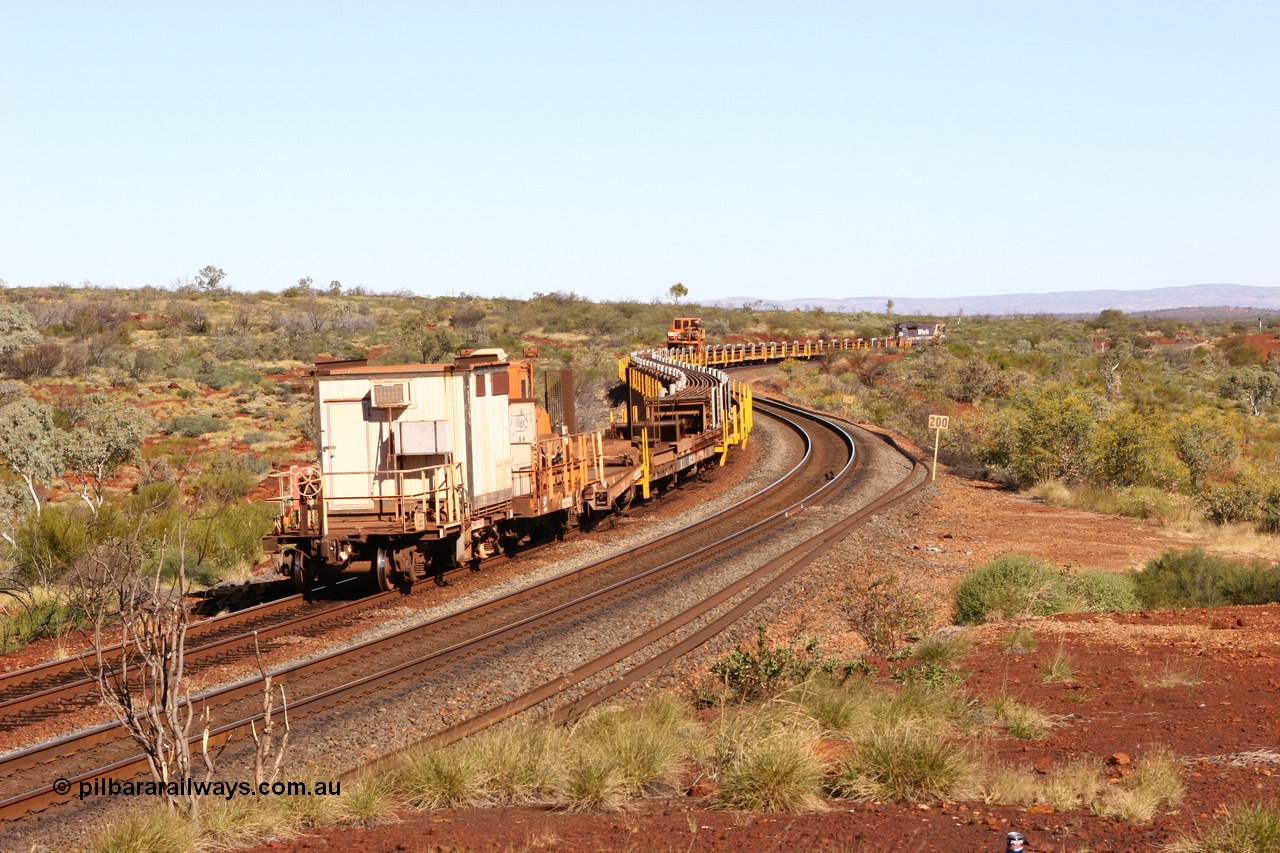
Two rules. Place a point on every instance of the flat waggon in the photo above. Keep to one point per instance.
(422, 468)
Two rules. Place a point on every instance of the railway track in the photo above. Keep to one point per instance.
(34, 693)
(370, 666)
(749, 591)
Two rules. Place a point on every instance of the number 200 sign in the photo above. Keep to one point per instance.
(939, 423)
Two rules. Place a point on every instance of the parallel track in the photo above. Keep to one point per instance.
(758, 584)
(62, 685)
(325, 681)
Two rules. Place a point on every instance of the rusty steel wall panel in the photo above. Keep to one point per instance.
(568, 403)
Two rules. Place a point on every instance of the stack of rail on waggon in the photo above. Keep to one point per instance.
(729, 355)
(680, 415)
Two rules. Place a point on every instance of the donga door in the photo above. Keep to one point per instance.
(348, 457)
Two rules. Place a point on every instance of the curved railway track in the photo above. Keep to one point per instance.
(370, 666)
(749, 591)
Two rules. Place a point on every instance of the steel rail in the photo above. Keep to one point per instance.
(70, 676)
(58, 667)
(58, 749)
(61, 693)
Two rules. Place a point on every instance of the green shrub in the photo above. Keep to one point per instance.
(1253, 583)
(1182, 579)
(221, 377)
(196, 425)
(1196, 578)
(768, 671)
(1104, 592)
(259, 437)
(1227, 502)
(42, 614)
(220, 543)
(884, 614)
(1011, 586)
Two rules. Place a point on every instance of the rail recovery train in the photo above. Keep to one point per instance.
(426, 467)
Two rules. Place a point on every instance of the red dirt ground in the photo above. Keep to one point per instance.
(1265, 343)
(1224, 727)
(1203, 683)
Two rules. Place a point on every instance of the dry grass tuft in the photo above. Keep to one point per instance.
(1157, 779)
(1253, 827)
(908, 764)
(838, 709)
(369, 801)
(1019, 641)
(780, 773)
(453, 776)
(1059, 666)
(1018, 720)
(1169, 676)
(1064, 787)
(153, 831)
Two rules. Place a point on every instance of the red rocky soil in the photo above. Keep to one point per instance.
(1222, 723)
(1203, 683)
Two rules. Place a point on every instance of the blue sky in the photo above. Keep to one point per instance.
(612, 149)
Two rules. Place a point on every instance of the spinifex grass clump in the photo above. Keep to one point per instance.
(1156, 780)
(1016, 719)
(454, 776)
(778, 773)
(906, 763)
(820, 739)
(1251, 827)
(1058, 667)
(1019, 641)
(618, 753)
(154, 831)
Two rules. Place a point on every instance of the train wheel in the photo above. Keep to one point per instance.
(298, 573)
(384, 570)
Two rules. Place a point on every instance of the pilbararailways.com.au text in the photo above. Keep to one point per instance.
(108, 787)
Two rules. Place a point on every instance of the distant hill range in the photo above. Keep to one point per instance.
(1197, 300)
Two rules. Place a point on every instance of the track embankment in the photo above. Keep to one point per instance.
(573, 638)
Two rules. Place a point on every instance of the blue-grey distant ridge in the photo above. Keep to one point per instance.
(1059, 302)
